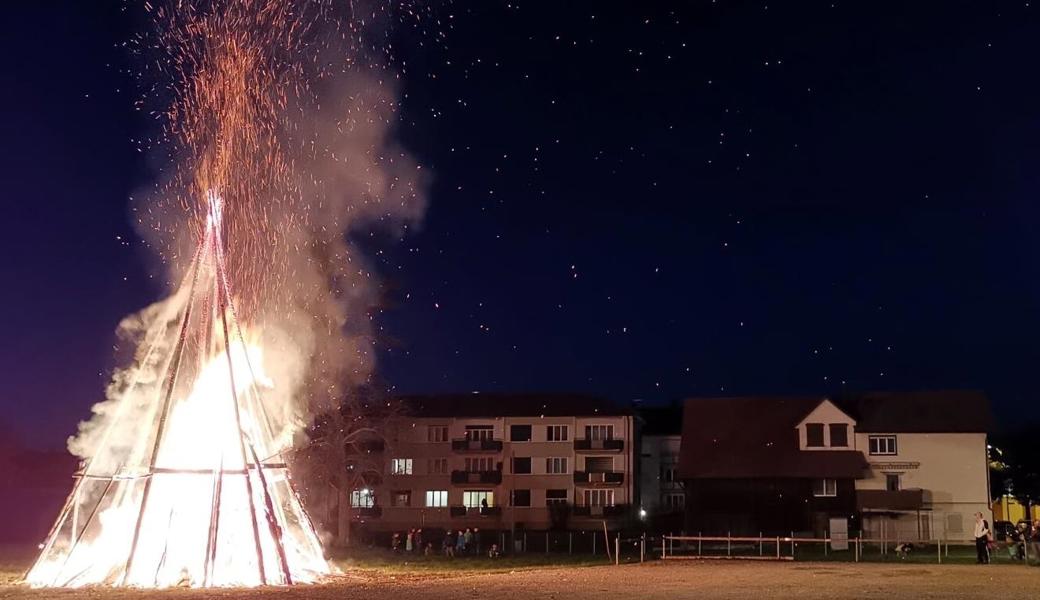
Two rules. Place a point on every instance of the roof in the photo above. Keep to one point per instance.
(944, 411)
(755, 437)
(666, 420)
(510, 405)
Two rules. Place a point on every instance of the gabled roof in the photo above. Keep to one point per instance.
(755, 437)
(493, 405)
(944, 411)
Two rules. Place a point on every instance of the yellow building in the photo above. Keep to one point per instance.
(1007, 508)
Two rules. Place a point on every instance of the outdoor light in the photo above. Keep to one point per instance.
(642, 513)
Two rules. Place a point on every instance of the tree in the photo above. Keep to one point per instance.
(1015, 461)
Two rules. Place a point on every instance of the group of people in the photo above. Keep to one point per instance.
(1017, 539)
(460, 543)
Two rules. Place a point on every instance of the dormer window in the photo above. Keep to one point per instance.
(839, 435)
(814, 435)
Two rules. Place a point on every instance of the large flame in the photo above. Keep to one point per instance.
(188, 485)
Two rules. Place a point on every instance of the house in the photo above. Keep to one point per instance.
(503, 462)
(661, 496)
(898, 465)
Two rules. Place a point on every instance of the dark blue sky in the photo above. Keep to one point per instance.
(642, 200)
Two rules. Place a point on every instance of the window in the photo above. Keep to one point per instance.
(401, 498)
(882, 444)
(892, 482)
(825, 488)
(555, 497)
(674, 501)
(365, 498)
(670, 473)
(436, 466)
(480, 463)
(814, 435)
(599, 497)
(599, 432)
(521, 498)
(480, 432)
(599, 464)
(401, 466)
(556, 464)
(556, 433)
(519, 433)
(437, 433)
(839, 435)
(478, 498)
(522, 465)
(436, 498)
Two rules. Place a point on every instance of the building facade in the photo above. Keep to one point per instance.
(900, 466)
(661, 495)
(503, 462)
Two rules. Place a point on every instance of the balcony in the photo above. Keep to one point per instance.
(599, 445)
(883, 500)
(364, 512)
(476, 511)
(607, 478)
(476, 445)
(618, 510)
(476, 477)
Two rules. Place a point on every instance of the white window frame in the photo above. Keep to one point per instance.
(401, 466)
(550, 501)
(476, 464)
(674, 500)
(432, 465)
(437, 433)
(557, 433)
(874, 445)
(365, 498)
(556, 465)
(607, 430)
(436, 498)
(472, 498)
(829, 488)
(480, 432)
(599, 497)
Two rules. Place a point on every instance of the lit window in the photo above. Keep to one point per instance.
(365, 498)
(401, 466)
(436, 498)
(825, 488)
(882, 444)
(401, 498)
(478, 498)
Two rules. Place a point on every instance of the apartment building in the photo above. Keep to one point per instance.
(503, 462)
(904, 466)
(661, 495)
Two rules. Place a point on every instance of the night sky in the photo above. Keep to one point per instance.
(639, 200)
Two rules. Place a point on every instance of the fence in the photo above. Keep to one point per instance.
(856, 549)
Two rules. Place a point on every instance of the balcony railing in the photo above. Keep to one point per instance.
(476, 445)
(618, 510)
(369, 511)
(478, 477)
(476, 511)
(599, 445)
(592, 478)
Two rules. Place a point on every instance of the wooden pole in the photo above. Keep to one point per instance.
(617, 549)
(606, 539)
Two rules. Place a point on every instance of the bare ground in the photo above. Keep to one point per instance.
(657, 580)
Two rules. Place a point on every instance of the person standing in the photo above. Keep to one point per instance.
(460, 543)
(469, 540)
(981, 540)
(409, 541)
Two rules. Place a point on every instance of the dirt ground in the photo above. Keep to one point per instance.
(668, 580)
